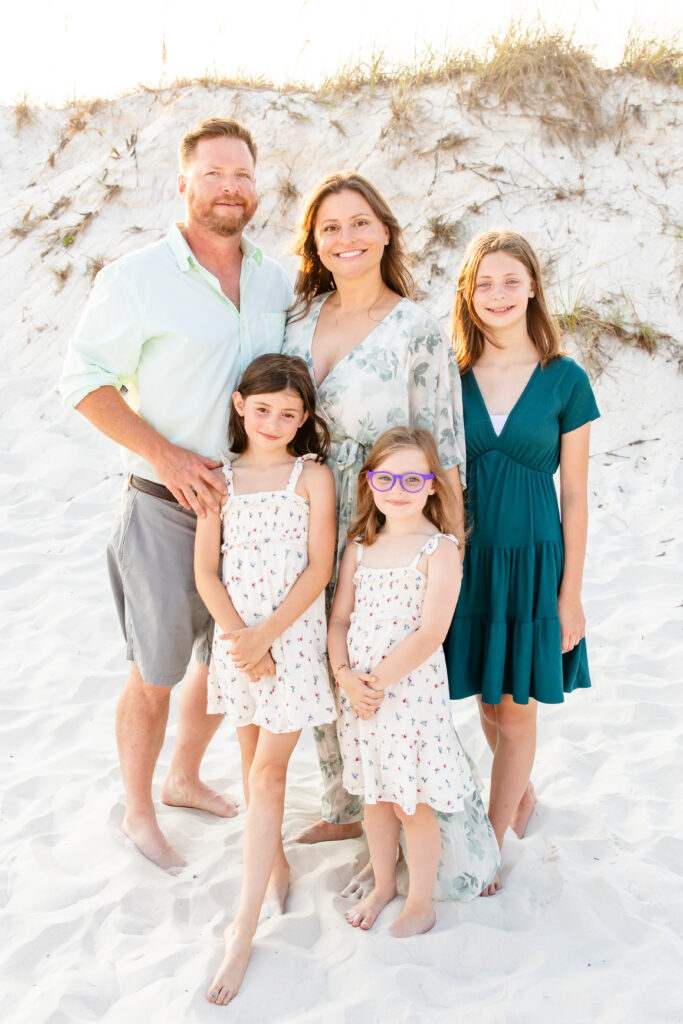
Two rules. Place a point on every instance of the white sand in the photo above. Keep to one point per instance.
(588, 926)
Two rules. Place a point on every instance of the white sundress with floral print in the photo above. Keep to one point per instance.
(408, 752)
(265, 550)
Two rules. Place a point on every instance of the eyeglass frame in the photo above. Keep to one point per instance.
(397, 476)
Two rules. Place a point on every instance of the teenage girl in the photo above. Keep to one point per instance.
(268, 671)
(518, 632)
(397, 589)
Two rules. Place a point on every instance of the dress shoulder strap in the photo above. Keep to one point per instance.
(296, 470)
(359, 553)
(430, 545)
(227, 473)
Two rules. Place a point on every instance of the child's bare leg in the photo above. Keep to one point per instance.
(381, 827)
(423, 849)
(278, 884)
(525, 807)
(512, 762)
(262, 837)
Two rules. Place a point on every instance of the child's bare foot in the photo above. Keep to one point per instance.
(228, 977)
(524, 811)
(413, 922)
(361, 885)
(278, 888)
(179, 791)
(493, 887)
(324, 832)
(365, 913)
(151, 842)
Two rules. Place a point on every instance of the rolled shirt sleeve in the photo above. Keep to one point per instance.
(106, 347)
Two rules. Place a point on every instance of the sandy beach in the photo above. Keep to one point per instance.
(588, 926)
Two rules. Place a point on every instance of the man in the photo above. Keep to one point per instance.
(175, 324)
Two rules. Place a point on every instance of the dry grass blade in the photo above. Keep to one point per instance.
(23, 113)
(526, 57)
(660, 60)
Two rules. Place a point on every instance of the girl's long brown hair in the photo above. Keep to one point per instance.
(313, 278)
(268, 374)
(368, 519)
(468, 331)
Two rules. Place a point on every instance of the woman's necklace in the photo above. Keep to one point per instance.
(362, 312)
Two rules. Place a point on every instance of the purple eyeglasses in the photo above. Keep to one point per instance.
(382, 480)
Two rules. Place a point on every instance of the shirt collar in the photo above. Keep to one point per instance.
(186, 259)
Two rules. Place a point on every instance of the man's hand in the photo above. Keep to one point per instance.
(190, 478)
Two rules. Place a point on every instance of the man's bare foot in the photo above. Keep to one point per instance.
(324, 832)
(151, 842)
(278, 887)
(524, 811)
(228, 977)
(361, 885)
(413, 922)
(493, 887)
(181, 792)
(365, 913)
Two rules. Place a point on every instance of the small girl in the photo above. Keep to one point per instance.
(397, 589)
(268, 669)
(518, 632)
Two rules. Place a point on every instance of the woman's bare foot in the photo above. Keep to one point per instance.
(413, 922)
(361, 885)
(180, 791)
(151, 842)
(278, 887)
(493, 887)
(365, 913)
(524, 811)
(324, 832)
(228, 977)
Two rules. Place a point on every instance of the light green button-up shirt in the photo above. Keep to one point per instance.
(158, 324)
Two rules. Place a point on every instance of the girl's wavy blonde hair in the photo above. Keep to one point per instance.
(468, 330)
(368, 519)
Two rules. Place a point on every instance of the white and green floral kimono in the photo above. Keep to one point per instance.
(403, 373)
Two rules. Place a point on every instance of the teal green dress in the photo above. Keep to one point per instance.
(505, 635)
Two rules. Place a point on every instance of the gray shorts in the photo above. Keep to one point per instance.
(151, 569)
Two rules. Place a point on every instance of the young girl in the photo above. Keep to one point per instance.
(397, 589)
(268, 669)
(518, 632)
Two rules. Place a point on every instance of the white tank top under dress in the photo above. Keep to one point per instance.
(409, 751)
(265, 550)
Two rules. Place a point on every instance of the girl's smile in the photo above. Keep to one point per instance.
(397, 503)
(271, 419)
(502, 289)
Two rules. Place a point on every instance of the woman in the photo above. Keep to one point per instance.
(378, 361)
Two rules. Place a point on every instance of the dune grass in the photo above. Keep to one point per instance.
(659, 60)
(615, 319)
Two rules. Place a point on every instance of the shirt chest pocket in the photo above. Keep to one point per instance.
(270, 333)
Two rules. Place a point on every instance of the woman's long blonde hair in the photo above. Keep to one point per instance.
(313, 278)
(368, 518)
(468, 331)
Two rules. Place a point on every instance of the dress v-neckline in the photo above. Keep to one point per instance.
(514, 408)
(348, 355)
